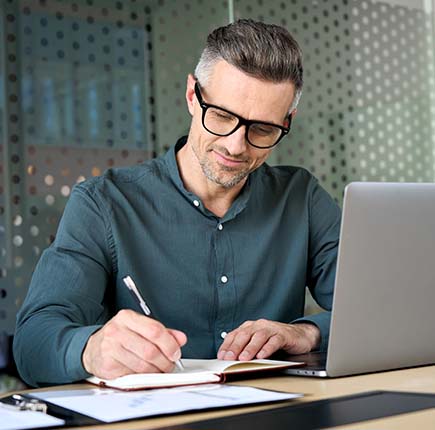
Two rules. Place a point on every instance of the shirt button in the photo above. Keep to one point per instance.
(196, 203)
(223, 334)
(224, 279)
(220, 227)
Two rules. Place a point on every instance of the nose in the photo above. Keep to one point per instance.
(236, 143)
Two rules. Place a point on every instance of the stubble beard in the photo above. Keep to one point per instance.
(213, 176)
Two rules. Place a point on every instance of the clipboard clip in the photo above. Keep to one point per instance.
(21, 403)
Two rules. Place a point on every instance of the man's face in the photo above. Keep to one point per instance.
(228, 160)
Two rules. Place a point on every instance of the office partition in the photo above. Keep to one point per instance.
(86, 85)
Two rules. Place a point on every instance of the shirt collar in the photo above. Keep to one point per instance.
(238, 205)
(171, 161)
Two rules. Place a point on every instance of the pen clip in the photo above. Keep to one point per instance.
(133, 289)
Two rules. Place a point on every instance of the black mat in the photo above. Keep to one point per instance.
(323, 413)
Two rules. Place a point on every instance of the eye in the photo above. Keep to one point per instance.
(263, 129)
(220, 115)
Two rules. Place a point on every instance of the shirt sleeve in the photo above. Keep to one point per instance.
(324, 227)
(65, 301)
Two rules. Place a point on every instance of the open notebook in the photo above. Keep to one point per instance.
(195, 372)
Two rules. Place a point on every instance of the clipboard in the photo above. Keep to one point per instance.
(97, 406)
(326, 413)
(24, 402)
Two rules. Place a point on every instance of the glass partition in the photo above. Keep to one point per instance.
(90, 84)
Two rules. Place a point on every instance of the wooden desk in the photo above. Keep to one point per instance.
(421, 379)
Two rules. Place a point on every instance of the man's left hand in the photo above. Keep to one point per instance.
(261, 338)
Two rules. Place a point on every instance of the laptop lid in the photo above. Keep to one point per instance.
(383, 309)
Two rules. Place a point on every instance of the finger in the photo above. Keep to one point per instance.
(273, 344)
(225, 348)
(256, 343)
(237, 343)
(164, 340)
(120, 362)
(132, 363)
(122, 351)
(153, 331)
(229, 338)
(180, 337)
(145, 355)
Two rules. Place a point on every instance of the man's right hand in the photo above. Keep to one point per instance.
(132, 343)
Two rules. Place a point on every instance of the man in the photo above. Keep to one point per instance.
(220, 245)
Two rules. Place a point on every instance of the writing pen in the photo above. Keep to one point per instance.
(129, 283)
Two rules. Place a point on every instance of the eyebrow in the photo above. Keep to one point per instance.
(241, 116)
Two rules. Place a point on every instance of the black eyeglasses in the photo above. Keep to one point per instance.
(222, 122)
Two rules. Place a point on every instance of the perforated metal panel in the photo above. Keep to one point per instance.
(367, 110)
(393, 63)
(180, 32)
(77, 80)
(90, 84)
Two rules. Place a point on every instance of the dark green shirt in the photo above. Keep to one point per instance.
(198, 273)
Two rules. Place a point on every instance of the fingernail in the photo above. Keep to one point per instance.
(229, 355)
(244, 355)
(176, 356)
(221, 355)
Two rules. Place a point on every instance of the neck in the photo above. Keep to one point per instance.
(216, 198)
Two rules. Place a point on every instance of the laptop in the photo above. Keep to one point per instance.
(383, 312)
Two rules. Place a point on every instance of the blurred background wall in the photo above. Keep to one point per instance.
(90, 84)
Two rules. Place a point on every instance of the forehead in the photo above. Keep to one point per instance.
(247, 96)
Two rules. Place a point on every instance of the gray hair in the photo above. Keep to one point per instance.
(264, 51)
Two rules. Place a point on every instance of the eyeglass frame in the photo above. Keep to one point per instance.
(242, 121)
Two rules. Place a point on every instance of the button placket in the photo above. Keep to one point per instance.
(226, 298)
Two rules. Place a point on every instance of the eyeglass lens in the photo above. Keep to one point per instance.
(223, 123)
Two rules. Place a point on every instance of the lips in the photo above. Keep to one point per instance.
(227, 161)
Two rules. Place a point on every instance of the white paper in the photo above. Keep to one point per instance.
(17, 420)
(111, 405)
(194, 365)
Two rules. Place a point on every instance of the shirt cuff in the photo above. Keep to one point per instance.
(73, 358)
(322, 320)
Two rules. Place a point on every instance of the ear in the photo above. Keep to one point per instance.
(190, 93)
(292, 115)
